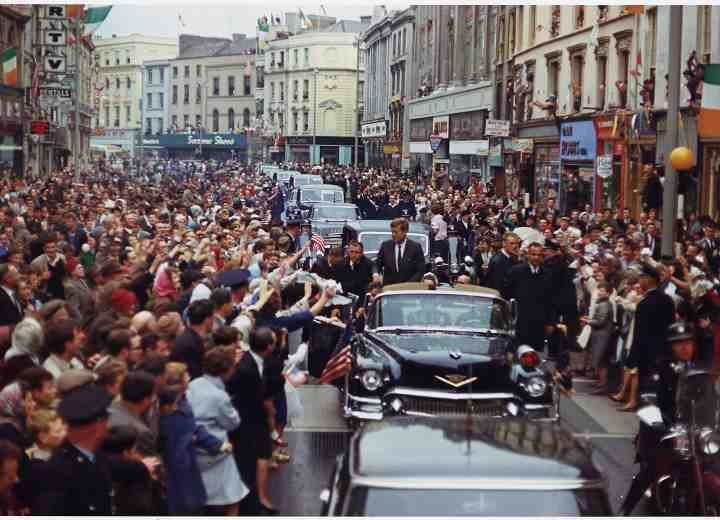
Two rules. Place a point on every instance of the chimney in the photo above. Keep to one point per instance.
(238, 37)
(366, 20)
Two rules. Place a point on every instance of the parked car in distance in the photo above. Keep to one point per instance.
(303, 197)
(465, 467)
(327, 220)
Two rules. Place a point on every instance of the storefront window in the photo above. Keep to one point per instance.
(576, 187)
(547, 172)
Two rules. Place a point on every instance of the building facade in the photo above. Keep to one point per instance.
(155, 97)
(313, 91)
(452, 91)
(212, 88)
(118, 122)
(12, 25)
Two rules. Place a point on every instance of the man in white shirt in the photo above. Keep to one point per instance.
(64, 341)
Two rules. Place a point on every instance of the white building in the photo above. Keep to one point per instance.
(312, 90)
(121, 61)
(155, 97)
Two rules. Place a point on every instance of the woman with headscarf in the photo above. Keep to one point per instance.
(27, 341)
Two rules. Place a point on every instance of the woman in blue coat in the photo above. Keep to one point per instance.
(180, 437)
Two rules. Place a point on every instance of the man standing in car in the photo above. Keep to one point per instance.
(400, 260)
(502, 261)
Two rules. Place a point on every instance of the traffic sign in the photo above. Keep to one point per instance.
(435, 141)
(39, 127)
(604, 166)
(497, 128)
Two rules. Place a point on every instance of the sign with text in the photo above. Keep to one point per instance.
(441, 127)
(61, 92)
(578, 141)
(604, 166)
(55, 11)
(39, 127)
(497, 128)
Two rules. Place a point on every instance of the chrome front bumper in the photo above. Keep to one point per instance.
(432, 403)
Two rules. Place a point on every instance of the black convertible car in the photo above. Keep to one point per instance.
(412, 466)
(444, 352)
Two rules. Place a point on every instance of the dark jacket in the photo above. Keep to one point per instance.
(356, 279)
(189, 348)
(654, 314)
(535, 307)
(247, 391)
(179, 435)
(412, 264)
(498, 269)
(10, 314)
(75, 485)
(133, 488)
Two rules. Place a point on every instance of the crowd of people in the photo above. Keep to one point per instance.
(155, 325)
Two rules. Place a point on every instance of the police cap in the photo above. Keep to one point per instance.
(85, 404)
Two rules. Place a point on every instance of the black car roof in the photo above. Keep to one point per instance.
(384, 225)
(445, 449)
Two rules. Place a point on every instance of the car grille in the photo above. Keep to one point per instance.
(434, 406)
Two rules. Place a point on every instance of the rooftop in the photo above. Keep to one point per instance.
(193, 46)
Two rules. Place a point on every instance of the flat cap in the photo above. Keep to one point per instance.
(72, 379)
(85, 405)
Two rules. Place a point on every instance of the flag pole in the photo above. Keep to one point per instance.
(76, 148)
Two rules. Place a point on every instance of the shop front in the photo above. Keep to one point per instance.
(468, 148)
(299, 148)
(542, 169)
(11, 130)
(577, 165)
(518, 158)
(421, 154)
(115, 138)
(220, 147)
(612, 151)
(691, 184)
(374, 134)
(710, 179)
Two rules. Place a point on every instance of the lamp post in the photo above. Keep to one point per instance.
(76, 137)
(312, 159)
(357, 100)
(204, 114)
(671, 184)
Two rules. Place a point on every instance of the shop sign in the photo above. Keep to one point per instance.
(441, 127)
(371, 130)
(467, 126)
(274, 149)
(191, 141)
(391, 148)
(604, 166)
(578, 141)
(497, 128)
(496, 157)
(39, 127)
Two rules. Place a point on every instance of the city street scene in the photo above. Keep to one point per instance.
(359, 260)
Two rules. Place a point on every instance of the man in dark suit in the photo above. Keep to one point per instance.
(330, 267)
(502, 261)
(653, 242)
(77, 479)
(400, 260)
(654, 315)
(251, 441)
(358, 270)
(10, 309)
(189, 347)
(531, 285)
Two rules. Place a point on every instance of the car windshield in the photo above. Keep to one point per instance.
(431, 309)
(335, 212)
(424, 502)
(321, 196)
(372, 240)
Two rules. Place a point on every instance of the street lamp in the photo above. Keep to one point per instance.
(356, 122)
(204, 86)
(312, 159)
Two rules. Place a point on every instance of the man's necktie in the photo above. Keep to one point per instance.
(398, 255)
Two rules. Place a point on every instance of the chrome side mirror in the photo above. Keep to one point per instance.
(325, 496)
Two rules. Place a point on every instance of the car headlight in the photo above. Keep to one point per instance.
(710, 441)
(371, 380)
(536, 386)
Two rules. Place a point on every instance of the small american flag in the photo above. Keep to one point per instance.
(340, 363)
(317, 243)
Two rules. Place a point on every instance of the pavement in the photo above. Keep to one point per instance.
(321, 436)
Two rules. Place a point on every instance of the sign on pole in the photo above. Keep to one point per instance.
(435, 141)
(497, 128)
(604, 167)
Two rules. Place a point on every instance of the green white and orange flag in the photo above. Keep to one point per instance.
(709, 119)
(9, 67)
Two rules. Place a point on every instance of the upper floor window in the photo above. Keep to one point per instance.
(216, 86)
(231, 85)
(175, 72)
(187, 71)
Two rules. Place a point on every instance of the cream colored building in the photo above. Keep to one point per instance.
(121, 60)
(312, 83)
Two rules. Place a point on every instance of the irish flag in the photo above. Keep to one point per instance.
(709, 119)
(94, 17)
(9, 66)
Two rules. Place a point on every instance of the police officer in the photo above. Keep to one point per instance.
(679, 359)
(78, 481)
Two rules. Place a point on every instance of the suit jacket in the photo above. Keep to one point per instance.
(189, 348)
(357, 279)
(247, 391)
(10, 314)
(535, 307)
(654, 314)
(122, 416)
(80, 298)
(497, 270)
(75, 486)
(412, 264)
(656, 247)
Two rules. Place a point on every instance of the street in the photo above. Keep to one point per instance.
(321, 436)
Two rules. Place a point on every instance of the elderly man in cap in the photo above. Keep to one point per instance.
(654, 314)
(77, 482)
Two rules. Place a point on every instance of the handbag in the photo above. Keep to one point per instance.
(584, 337)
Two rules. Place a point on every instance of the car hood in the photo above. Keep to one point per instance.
(425, 360)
